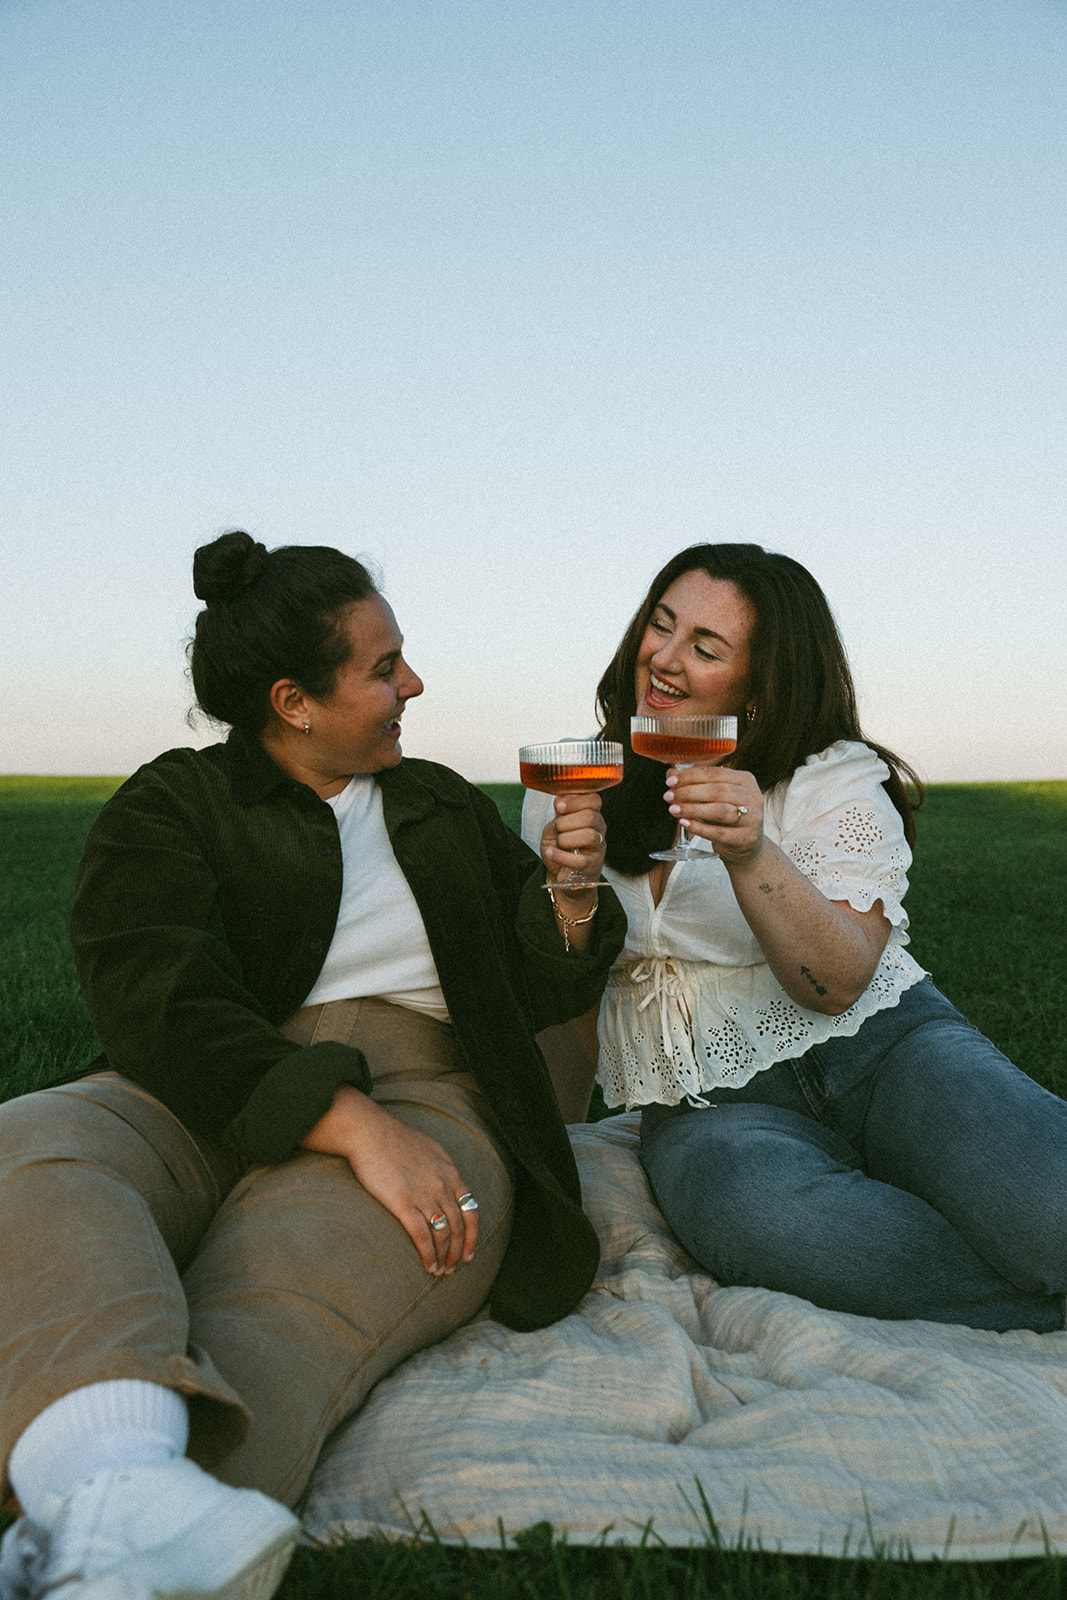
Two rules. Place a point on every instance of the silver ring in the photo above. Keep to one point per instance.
(467, 1202)
(438, 1222)
(742, 811)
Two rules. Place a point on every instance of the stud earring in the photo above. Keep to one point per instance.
(307, 727)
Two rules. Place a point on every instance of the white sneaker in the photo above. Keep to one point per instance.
(151, 1533)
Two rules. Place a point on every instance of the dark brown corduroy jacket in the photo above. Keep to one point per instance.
(205, 904)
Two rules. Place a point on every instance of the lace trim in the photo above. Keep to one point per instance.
(651, 1049)
(859, 835)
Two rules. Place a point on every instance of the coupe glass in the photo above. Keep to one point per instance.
(574, 766)
(681, 742)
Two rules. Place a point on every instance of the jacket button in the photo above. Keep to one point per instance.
(325, 849)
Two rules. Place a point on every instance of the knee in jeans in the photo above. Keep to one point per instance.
(713, 1166)
(735, 1184)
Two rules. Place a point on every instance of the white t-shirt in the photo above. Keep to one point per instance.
(691, 1004)
(379, 946)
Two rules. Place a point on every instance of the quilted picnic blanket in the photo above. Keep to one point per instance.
(669, 1408)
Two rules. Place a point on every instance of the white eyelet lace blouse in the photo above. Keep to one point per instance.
(691, 1005)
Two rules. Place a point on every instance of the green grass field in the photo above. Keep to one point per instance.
(987, 904)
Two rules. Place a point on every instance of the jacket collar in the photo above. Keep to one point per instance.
(411, 790)
(252, 771)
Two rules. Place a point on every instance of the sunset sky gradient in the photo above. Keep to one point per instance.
(518, 300)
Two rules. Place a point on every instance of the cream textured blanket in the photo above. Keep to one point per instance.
(665, 1398)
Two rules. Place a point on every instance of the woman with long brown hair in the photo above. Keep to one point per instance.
(817, 1117)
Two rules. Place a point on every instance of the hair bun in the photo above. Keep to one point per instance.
(226, 567)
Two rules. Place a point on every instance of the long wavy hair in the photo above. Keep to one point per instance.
(800, 683)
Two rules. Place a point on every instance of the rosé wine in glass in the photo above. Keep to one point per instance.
(574, 766)
(683, 741)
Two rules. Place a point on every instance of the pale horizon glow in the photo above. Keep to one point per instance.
(516, 303)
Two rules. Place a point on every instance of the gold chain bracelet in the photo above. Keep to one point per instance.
(572, 922)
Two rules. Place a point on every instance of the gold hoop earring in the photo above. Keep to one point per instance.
(750, 715)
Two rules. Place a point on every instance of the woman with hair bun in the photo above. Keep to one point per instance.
(818, 1118)
(321, 1135)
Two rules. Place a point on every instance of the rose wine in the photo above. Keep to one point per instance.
(571, 766)
(683, 741)
(679, 749)
(564, 777)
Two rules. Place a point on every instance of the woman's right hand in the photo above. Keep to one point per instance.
(411, 1175)
(575, 838)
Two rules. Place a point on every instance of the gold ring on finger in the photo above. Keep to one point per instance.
(742, 811)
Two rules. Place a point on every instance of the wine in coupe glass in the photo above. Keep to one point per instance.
(682, 742)
(574, 766)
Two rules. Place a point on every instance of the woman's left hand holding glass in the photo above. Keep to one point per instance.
(721, 805)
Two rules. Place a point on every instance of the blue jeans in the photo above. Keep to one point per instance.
(910, 1171)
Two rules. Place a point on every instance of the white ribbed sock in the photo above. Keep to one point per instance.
(122, 1423)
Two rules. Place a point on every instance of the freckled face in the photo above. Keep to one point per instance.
(694, 656)
(357, 728)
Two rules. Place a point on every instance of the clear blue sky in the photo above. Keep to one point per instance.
(518, 300)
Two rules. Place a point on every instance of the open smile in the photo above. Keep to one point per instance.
(659, 692)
